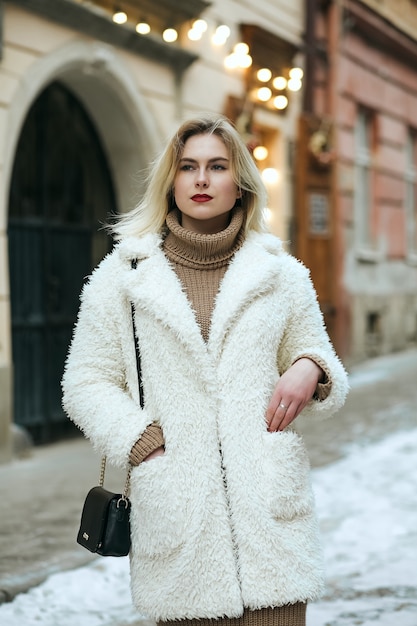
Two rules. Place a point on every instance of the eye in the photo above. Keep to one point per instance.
(186, 168)
(218, 167)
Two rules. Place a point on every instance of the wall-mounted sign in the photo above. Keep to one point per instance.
(318, 213)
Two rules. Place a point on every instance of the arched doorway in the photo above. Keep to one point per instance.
(60, 193)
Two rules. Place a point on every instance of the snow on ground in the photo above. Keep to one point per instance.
(367, 505)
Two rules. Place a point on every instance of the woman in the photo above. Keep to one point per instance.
(233, 348)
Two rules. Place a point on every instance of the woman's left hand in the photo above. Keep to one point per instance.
(293, 391)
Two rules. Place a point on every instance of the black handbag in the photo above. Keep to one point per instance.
(105, 519)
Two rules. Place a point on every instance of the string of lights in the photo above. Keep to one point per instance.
(271, 90)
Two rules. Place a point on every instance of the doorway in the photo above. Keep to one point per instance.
(61, 193)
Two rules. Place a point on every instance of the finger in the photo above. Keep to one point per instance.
(278, 405)
(278, 416)
(290, 416)
(272, 407)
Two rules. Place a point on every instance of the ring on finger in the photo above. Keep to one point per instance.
(283, 406)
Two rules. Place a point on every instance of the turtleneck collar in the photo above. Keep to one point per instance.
(203, 251)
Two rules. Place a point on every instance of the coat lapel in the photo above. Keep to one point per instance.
(154, 287)
(253, 271)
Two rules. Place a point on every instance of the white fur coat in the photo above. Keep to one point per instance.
(225, 519)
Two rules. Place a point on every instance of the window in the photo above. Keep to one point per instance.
(363, 199)
(411, 194)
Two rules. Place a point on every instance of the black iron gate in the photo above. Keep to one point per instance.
(60, 192)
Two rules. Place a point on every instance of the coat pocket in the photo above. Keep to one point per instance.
(159, 507)
(288, 476)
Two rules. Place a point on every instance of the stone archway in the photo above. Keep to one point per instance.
(109, 95)
(97, 76)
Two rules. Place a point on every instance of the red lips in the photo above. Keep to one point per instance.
(201, 197)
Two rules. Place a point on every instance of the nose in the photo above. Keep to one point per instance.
(201, 179)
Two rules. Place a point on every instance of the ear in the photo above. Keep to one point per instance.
(239, 193)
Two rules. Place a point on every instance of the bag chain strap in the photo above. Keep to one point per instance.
(126, 489)
(141, 399)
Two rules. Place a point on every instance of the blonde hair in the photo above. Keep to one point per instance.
(150, 214)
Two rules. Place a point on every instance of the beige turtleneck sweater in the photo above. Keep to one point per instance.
(201, 261)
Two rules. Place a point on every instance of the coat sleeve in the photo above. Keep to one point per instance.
(100, 379)
(305, 335)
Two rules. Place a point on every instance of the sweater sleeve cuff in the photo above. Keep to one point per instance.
(324, 387)
(151, 439)
(322, 391)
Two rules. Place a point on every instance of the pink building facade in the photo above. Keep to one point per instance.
(361, 144)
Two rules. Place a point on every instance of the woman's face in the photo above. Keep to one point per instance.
(204, 189)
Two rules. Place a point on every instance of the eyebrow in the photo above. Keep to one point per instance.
(189, 160)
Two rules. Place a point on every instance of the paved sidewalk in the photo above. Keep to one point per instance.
(42, 498)
(42, 495)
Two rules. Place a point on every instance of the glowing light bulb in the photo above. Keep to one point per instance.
(264, 75)
(231, 62)
(221, 35)
(281, 102)
(245, 61)
(119, 17)
(170, 35)
(200, 25)
(264, 94)
(143, 28)
(270, 175)
(260, 153)
(294, 84)
(279, 83)
(197, 30)
(241, 49)
(194, 35)
(296, 73)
